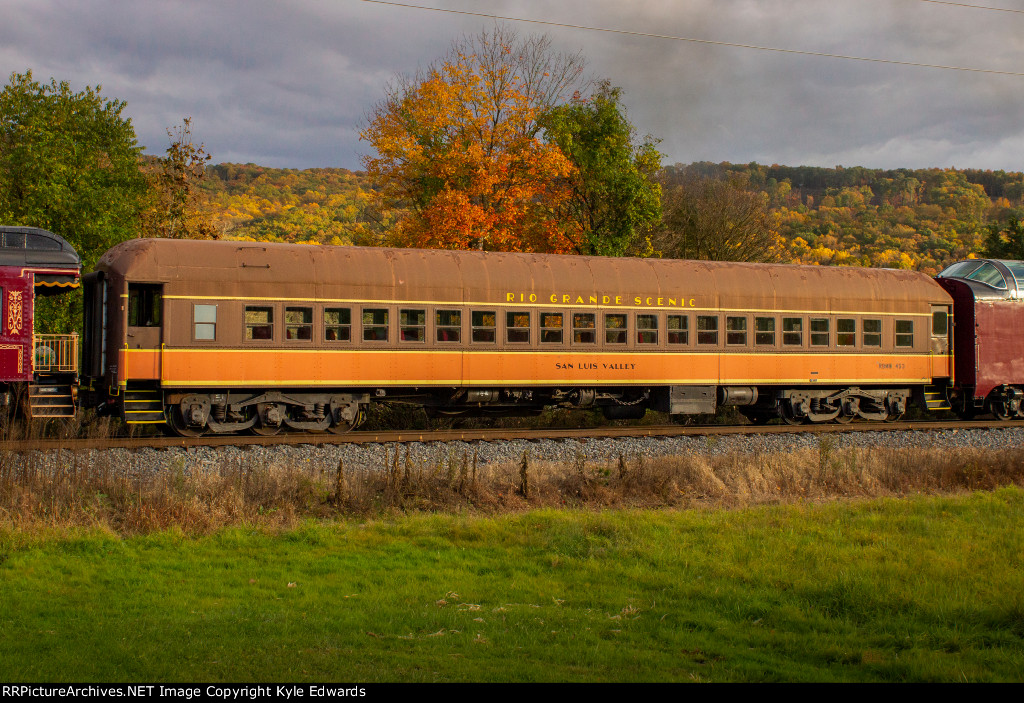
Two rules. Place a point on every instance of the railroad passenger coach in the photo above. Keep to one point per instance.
(228, 336)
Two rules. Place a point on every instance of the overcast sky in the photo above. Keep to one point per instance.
(288, 83)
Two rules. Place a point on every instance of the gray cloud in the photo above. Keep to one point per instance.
(288, 83)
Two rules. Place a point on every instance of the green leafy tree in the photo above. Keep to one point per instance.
(69, 163)
(1006, 241)
(615, 200)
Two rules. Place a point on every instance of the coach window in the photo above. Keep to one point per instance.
(940, 323)
(792, 331)
(584, 326)
(872, 333)
(904, 333)
(144, 305)
(375, 325)
(678, 329)
(298, 324)
(448, 325)
(736, 331)
(517, 327)
(259, 323)
(819, 332)
(764, 331)
(707, 329)
(647, 329)
(551, 327)
(484, 325)
(338, 325)
(615, 329)
(204, 319)
(412, 325)
(846, 332)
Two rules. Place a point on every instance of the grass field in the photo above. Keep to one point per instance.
(921, 588)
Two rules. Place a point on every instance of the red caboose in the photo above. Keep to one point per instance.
(38, 370)
(988, 314)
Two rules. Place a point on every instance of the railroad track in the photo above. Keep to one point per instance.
(486, 435)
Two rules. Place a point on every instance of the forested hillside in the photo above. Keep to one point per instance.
(920, 219)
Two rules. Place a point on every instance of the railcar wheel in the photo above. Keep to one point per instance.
(342, 426)
(178, 425)
(893, 416)
(789, 416)
(844, 419)
(1000, 411)
(265, 430)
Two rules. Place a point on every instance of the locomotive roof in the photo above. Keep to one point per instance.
(989, 278)
(34, 248)
(285, 271)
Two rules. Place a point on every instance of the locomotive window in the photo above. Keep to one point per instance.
(375, 325)
(872, 333)
(615, 329)
(551, 327)
(707, 329)
(819, 333)
(940, 323)
(584, 327)
(736, 330)
(412, 325)
(205, 319)
(338, 325)
(764, 331)
(144, 305)
(846, 332)
(517, 327)
(793, 331)
(259, 323)
(647, 329)
(298, 323)
(448, 324)
(678, 329)
(484, 324)
(904, 333)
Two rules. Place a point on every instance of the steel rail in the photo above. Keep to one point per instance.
(485, 435)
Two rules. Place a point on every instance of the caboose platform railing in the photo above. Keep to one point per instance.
(55, 353)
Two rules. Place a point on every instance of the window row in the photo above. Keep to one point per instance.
(581, 328)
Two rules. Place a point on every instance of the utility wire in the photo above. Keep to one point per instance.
(698, 41)
(974, 7)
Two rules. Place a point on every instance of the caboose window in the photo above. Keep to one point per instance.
(764, 331)
(647, 329)
(448, 325)
(412, 325)
(793, 331)
(337, 325)
(145, 303)
(551, 327)
(204, 318)
(707, 329)
(736, 331)
(484, 324)
(872, 333)
(819, 333)
(298, 323)
(678, 328)
(615, 329)
(846, 332)
(904, 333)
(375, 325)
(259, 323)
(584, 325)
(517, 327)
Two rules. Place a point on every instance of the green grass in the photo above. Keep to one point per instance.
(918, 589)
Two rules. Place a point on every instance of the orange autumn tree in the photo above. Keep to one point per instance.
(458, 147)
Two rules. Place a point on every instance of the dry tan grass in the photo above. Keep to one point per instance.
(36, 494)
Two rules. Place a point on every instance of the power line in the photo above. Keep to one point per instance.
(698, 41)
(974, 7)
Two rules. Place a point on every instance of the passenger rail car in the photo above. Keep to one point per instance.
(228, 336)
(39, 372)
